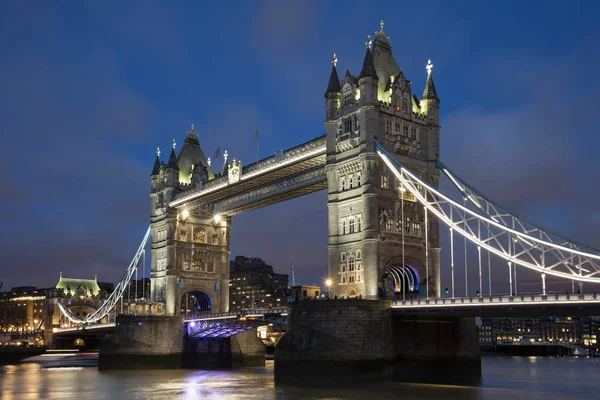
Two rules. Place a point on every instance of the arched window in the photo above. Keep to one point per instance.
(405, 105)
(358, 224)
(351, 225)
(358, 180)
(351, 264)
(344, 227)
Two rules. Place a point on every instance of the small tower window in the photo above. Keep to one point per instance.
(347, 97)
(397, 128)
(348, 125)
(413, 133)
(405, 131)
(384, 181)
(351, 225)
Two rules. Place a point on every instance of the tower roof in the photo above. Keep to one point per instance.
(368, 68)
(383, 60)
(334, 82)
(156, 169)
(191, 154)
(429, 92)
(173, 158)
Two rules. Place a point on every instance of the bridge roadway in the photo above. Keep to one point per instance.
(503, 306)
(485, 306)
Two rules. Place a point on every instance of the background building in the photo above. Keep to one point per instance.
(253, 284)
(304, 292)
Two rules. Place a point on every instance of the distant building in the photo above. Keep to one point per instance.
(253, 284)
(304, 292)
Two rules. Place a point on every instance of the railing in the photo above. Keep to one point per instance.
(82, 328)
(235, 314)
(505, 300)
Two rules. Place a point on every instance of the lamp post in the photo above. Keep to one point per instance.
(328, 283)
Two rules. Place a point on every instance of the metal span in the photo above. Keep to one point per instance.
(497, 230)
(116, 295)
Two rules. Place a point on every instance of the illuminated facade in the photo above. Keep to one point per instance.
(190, 249)
(377, 231)
(253, 284)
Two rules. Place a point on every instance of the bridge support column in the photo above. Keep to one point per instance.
(143, 342)
(346, 341)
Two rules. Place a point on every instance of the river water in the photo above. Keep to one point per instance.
(528, 378)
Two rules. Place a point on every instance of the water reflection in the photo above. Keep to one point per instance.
(503, 378)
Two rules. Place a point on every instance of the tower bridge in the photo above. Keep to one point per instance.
(380, 163)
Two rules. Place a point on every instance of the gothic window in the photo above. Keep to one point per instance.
(351, 264)
(407, 224)
(347, 125)
(210, 266)
(215, 239)
(183, 235)
(344, 227)
(199, 235)
(343, 267)
(359, 276)
(388, 126)
(397, 128)
(405, 130)
(351, 225)
(347, 97)
(358, 180)
(405, 105)
(186, 262)
(389, 225)
(396, 104)
(384, 181)
(358, 254)
(159, 200)
(413, 133)
(343, 279)
(359, 223)
(343, 257)
(197, 265)
(417, 229)
(351, 279)
(343, 183)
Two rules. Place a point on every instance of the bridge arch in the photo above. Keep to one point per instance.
(197, 300)
(402, 278)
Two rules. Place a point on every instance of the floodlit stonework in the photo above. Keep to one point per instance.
(366, 205)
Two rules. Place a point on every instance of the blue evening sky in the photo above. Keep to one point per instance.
(88, 89)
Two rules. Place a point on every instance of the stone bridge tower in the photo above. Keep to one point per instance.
(364, 200)
(190, 247)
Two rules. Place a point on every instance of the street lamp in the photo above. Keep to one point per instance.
(328, 283)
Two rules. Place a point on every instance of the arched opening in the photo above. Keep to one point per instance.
(352, 294)
(400, 281)
(194, 303)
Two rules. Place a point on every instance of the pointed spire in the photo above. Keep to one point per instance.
(225, 165)
(173, 158)
(429, 92)
(368, 68)
(156, 169)
(334, 80)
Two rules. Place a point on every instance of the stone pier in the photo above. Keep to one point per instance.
(143, 342)
(333, 342)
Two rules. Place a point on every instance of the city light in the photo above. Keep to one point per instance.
(217, 218)
(328, 282)
(185, 214)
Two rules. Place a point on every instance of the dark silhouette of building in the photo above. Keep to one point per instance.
(253, 284)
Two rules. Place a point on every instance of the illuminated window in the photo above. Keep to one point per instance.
(215, 240)
(397, 128)
(396, 104)
(384, 181)
(199, 235)
(186, 264)
(389, 226)
(417, 229)
(183, 235)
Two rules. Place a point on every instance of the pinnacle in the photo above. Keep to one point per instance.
(368, 68)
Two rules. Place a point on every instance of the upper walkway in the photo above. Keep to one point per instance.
(287, 174)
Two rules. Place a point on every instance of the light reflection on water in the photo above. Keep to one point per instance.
(503, 378)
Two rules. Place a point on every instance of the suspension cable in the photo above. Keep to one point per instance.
(466, 274)
(426, 252)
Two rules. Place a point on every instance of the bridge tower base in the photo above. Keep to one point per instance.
(338, 342)
(143, 342)
(244, 349)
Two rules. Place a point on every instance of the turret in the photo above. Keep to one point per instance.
(368, 80)
(430, 103)
(172, 169)
(332, 94)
